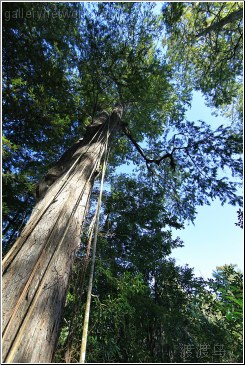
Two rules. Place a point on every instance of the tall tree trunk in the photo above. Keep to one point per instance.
(37, 269)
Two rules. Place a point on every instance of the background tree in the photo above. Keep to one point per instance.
(204, 43)
(144, 307)
(39, 105)
(228, 288)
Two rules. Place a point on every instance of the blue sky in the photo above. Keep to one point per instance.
(214, 240)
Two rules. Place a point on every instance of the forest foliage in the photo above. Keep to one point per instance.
(59, 73)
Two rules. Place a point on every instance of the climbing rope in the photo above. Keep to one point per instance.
(91, 275)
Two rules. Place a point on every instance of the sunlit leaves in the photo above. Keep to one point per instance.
(39, 103)
(204, 43)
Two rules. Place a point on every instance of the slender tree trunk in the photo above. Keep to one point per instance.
(37, 269)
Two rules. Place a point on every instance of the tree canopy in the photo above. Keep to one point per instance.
(204, 41)
(58, 72)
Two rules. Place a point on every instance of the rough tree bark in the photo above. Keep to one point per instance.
(36, 270)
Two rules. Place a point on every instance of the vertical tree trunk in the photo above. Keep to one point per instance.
(36, 270)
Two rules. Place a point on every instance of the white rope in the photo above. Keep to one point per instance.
(90, 284)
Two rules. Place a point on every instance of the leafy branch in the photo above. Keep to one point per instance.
(141, 152)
